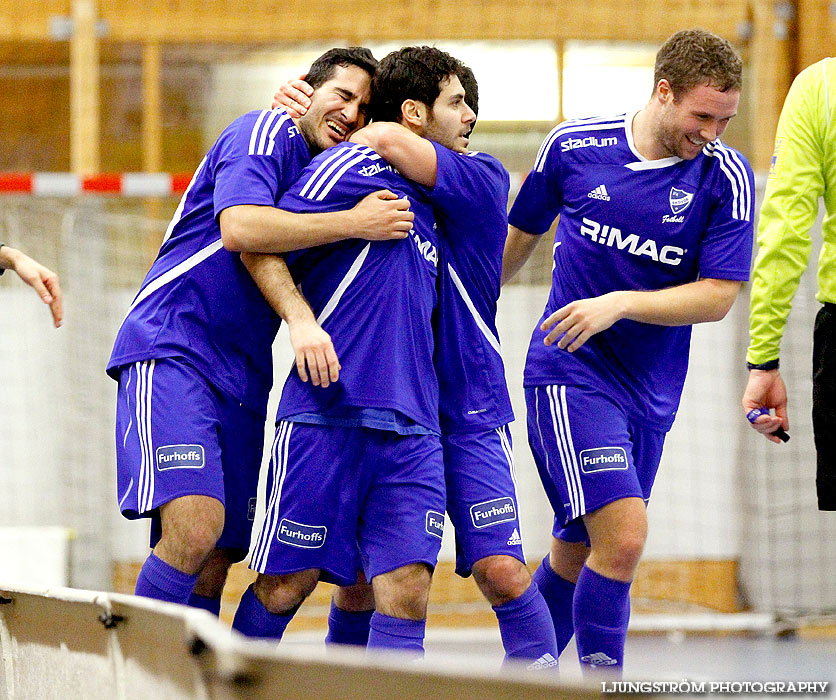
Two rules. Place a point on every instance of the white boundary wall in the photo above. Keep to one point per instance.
(66, 644)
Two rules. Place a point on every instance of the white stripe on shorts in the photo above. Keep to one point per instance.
(509, 453)
(271, 519)
(563, 437)
(144, 385)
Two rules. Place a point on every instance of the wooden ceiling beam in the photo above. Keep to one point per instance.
(265, 21)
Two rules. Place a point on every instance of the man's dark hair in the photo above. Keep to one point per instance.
(696, 57)
(325, 66)
(411, 73)
(471, 87)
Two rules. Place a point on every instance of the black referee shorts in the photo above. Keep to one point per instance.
(824, 405)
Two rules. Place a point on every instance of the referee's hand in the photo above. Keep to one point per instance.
(315, 354)
(767, 389)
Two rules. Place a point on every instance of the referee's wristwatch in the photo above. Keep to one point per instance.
(765, 366)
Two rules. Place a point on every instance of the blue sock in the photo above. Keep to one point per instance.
(345, 627)
(601, 611)
(213, 605)
(559, 594)
(526, 630)
(254, 620)
(162, 581)
(394, 633)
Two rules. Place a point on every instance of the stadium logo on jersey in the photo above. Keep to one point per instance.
(435, 523)
(374, 169)
(499, 510)
(603, 459)
(679, 200)
(612, 237)
(570, 144)
(599, 192)
(299, 535)
(180, 457)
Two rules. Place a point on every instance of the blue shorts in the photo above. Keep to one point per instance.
(588, 452)
(341, 499)
(176, 435)
(481, 496)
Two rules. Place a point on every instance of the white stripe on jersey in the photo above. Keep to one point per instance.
(568, 127)
(480, 322)
(271, 522)
(746, 194)
(324, 164)
(568, 458)
(175, 272)
(256, 128)
(264, 131)
(371, 155)
(736, 173)
(343, 285)
(178, 213)
(653, 164)
(271, 143)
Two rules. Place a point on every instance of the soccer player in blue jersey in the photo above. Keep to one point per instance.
(655, 234)
(359, 465)
(469, 195)
(193, 355)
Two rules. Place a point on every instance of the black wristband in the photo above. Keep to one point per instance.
(765, 366)
(2, 269)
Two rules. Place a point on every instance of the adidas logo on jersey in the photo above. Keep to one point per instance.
(545, 661)
(515, 538)
(599, 192)
(599, 658)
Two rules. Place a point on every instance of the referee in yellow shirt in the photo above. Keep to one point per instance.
(803, 169)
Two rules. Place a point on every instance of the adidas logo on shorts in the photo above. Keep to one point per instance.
(515, 538)
(599, 658)
(545, 661)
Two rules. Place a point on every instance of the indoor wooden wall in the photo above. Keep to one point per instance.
(777, 38)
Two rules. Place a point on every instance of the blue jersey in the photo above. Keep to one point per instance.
(198, 301)
(375, 299)
(471, 204)
(630, 223)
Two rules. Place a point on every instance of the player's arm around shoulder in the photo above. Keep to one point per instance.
(412, 155)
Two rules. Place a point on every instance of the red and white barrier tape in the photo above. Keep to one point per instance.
(71, 185)
(121, 184)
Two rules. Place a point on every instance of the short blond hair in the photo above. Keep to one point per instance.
(695, 57)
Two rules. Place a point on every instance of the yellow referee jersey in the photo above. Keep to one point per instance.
(803, 169)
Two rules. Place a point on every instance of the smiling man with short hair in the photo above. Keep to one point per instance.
(655, 234)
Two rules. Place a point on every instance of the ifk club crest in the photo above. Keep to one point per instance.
(679, 200)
